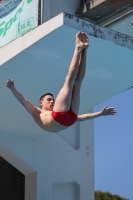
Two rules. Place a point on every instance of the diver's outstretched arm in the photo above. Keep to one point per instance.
(104, 112)
(29, 107)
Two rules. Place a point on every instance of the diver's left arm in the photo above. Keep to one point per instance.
(104, 112)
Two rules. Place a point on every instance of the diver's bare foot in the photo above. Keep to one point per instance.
(79, 43)
(85, 40)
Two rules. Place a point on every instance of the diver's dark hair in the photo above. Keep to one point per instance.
(45, 95)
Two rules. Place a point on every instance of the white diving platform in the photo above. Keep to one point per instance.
(38, 62)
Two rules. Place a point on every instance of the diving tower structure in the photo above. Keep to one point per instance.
(38, 61)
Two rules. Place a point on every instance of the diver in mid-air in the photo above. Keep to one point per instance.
(54, 116)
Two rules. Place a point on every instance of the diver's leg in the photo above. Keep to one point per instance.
(63, 100)
(80, 76)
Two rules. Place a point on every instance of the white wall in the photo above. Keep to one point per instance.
(65, 171)
(23, 147)
(64, 162)
(52, 8)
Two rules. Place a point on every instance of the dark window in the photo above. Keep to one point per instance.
(12, 182)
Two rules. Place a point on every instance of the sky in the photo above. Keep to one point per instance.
(114, 138)
(114, 147)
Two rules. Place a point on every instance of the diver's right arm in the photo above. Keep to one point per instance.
(28, 106)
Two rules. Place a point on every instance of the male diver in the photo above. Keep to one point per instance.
(54, 116)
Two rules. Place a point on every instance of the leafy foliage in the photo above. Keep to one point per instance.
(99, 195)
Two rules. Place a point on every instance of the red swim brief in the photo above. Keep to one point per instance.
(65, 118)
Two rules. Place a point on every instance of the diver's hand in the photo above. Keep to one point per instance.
(9, 83)
(108, 111)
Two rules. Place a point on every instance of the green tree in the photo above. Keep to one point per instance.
(99, 195)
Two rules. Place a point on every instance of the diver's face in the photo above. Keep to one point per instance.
(47, 103)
